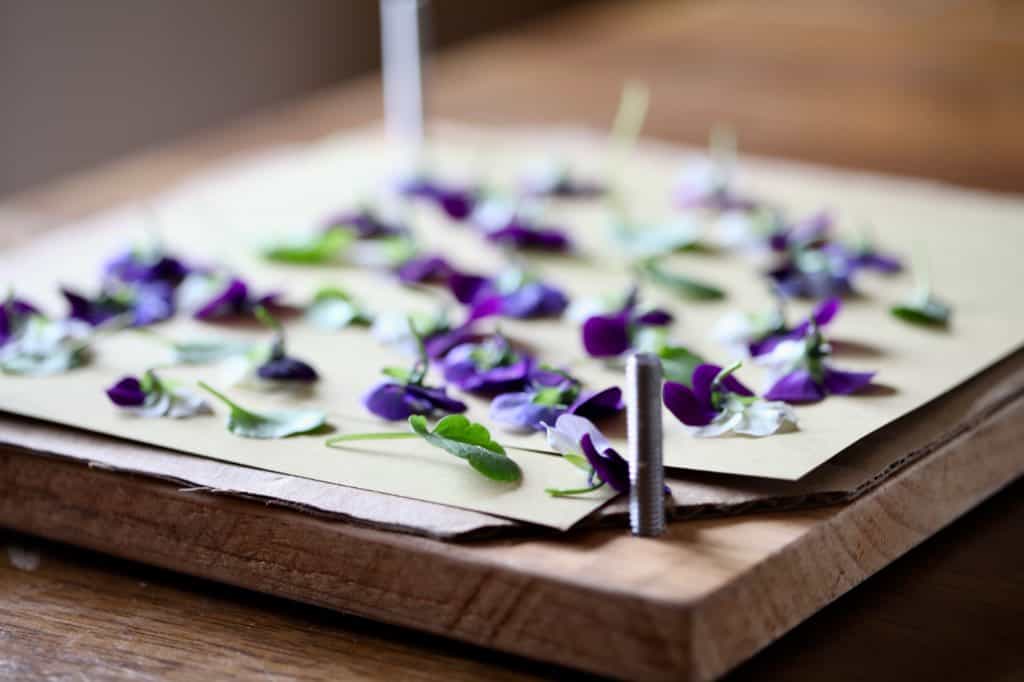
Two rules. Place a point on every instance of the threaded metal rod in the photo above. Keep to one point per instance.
(646, 468)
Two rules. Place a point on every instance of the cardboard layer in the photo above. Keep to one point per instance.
(970, 240)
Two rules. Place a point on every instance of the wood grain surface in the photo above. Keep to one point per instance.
(925, 89)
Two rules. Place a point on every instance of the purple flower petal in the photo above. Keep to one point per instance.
(609, 465)
(153, 302)
(534, 299)
(437, 345)
(127, 393)
(11, 314)
(424, 269)
(796, 387)
(655, 318)
(92, 312)
(606, 336)
(461, 370)
(598, 405)
(518, 412)
(467, 288)
(880, 262)
(687, 407)
(365, 224)
(130, 267)
(839, 382)
(439, 400)
(520, 236)
(231, 300)
(287, 368)
(456, 203)
(396, 401)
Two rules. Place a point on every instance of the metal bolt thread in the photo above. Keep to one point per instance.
(646, 468)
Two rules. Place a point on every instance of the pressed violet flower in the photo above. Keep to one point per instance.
(210, 296)
(155, 397)
(456, 202)
(429, 269)
(799, 371)
(584, 446)
(753, 334)
(550, 394)
(489, 367)
(146, 265)
(456, 435)
(138, 305)
(718, 404)
(611, 335)
(513, 293)
(433, 331)
(404, 393)
(864, 256)
(42, 347)
(14, 314)
(556, 180)
(365, 223)
(333, 308)
(813, 273)
(269, 365)
(514, 227)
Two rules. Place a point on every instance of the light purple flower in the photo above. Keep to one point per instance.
(822, 315)
(511, 294)
(576, 438)
(396, 401)
(212, 296)
(145, 266)
(429, 269)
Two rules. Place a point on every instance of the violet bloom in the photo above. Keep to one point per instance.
(509, 226)
(142, 304)
(145, 266)
(155, 397)
(611, 335)
(366, 224)
(488, 367)
(580, 442)
(813, 273)
(404, 394)
(550, 394)
(864, 256)
(511, 294)
(457, 203)
(212, 296)
(718, 404)
(799, 371)
(424, 270)
(750, 335)
(14, 312)
(555, 181)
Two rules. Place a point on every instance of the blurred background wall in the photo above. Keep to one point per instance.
(83, 81)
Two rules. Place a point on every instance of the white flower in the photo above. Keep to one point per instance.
(564, 438)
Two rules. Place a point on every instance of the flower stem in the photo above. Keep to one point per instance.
(221, 397)
(565, 492)
(386, 435)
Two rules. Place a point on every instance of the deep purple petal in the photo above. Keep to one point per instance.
(424, 269)
(879, 261)
(437, 345)
(92, 312)
(598, 405)
(606, 336)
(609, 465)
(230, 300)
(520, 236)
(287, 368)
(389, 400)
(533, 300)
(825, 311)
(438, 399)
(11, 314)
(796, 387)
(543, 376)
(703, 375)
(127, 393)
(839, 382)
(461, 370)
(467, 288)
(685, 405)
(655, 318)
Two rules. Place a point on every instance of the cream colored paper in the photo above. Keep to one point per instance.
(971, 241)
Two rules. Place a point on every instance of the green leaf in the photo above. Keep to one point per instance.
(333, 309)
(682, 285)
(470, 441)
(308, 250)
(678, 363)
(925, 311)
(278, 424)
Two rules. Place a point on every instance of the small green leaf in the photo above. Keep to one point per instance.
(470, 441)
(278, 424)
(680, 284)
(307, 250)
(678, 363)
(927, 311)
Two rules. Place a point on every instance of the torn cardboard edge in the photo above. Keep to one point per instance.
(850, 475)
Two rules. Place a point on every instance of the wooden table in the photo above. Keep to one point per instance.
(924, 91)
